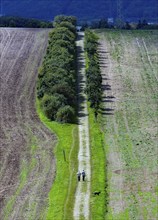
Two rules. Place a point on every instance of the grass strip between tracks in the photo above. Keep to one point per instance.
(98, 168)
(61, 195)
(24, 173)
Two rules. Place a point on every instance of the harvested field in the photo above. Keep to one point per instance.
(27, 165)
(128, 60)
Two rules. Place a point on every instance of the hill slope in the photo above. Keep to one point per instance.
(83, 9)
(27, 163)
(128, 64)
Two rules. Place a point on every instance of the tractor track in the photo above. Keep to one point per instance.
(22, 52)
(114, 156)
(130, 119)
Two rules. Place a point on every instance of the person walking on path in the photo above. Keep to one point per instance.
(83, 175)
(78, 175)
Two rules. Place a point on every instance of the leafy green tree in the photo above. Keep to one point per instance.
(65, 114)
(67, 91)
(62, 18)
(51, 104)
(57, 76)
(62, 33)
(10, 21)
(93, 73)
(66, 44)
(68, 25)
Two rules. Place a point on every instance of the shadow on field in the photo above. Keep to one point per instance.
(106, 87)
(105, 78)
(108, 99)
(106, 110)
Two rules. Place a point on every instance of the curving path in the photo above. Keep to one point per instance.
(82, 197)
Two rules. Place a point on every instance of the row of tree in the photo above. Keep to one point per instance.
(93, 72)
(6, 21)
(103, 23)
(56, 87)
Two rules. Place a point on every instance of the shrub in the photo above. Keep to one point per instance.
(65, 114)
(51, 104)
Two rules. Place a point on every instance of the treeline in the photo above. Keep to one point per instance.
(56, 87)
(93, 72)
(103, 23)
(24, 22)
(99, 24)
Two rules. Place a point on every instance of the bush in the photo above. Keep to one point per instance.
(65, 114)
(51, 104)
(12, 21)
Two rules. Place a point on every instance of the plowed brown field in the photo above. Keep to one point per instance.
(27, 164)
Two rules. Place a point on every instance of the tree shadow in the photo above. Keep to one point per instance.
(102, 51)
(105, 78)
(102, 63)
(107, 100)
(80, 37)
(106, 87)
(81, 82)
(103, 66)
(106, 111)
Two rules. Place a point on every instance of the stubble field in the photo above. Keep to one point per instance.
(128, 61)
(27, 165)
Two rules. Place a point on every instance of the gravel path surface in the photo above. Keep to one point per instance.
(81, 207)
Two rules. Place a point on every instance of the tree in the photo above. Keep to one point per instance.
(57, 76)
(61, 18)
(127, 26)
(93, 74)
(65, 114)
(51, 104)
(12, 23)
(68, 25)
(103, 23)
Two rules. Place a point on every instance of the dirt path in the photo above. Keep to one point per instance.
(26, 160)
(82, 197)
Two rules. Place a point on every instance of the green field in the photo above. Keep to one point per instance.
(130, 125)
(61, 196)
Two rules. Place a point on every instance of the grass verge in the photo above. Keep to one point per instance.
(61, 195)
(98, 168)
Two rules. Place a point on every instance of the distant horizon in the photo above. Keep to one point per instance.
(83, 9)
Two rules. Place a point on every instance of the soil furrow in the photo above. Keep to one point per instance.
(27, 147)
